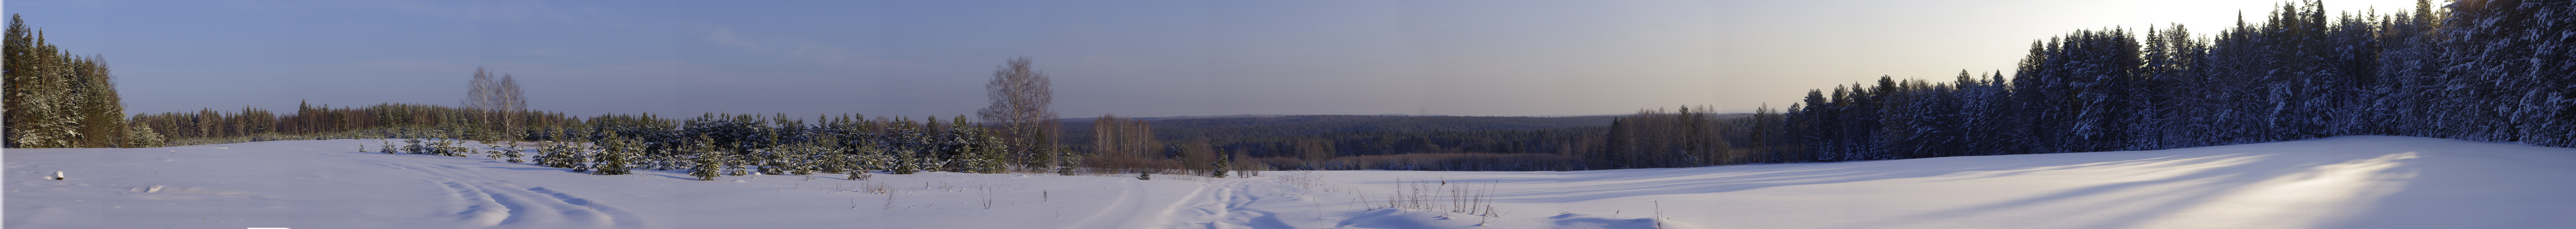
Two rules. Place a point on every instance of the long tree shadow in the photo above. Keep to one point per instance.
(2369, 181)
(2403, 177)
(1640, 182)
(2477, 185)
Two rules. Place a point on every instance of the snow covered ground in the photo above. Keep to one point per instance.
(2341, 182)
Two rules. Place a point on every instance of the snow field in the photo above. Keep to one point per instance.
(2340, 182)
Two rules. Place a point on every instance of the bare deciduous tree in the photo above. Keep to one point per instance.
(500, 101)
(1021, 96)
(1113, 136)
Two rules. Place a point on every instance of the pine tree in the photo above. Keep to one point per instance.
(907, 144)
(1065, 166)
(513, 153)
(580, 157)
(709, 161)
(985, 151)
(614, 156)
(495, 154)
(413, 146)
(143, 136)
(547, 152)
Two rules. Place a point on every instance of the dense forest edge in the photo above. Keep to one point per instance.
(59, 100)
(2494, 71)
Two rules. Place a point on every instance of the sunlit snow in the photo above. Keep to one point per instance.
(2340, 182)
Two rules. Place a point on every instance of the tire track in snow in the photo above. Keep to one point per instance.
(1170, 214)
(607, 215)
(477, 208)
(1212, 206)
(1126, 196)
(480, 203)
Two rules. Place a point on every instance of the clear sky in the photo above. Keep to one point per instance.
(1132, 58)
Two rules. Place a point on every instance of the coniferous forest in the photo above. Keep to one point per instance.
(2495, 71)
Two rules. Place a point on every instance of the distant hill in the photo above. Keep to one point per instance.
(1259, 126)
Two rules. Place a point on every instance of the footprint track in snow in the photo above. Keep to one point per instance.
(1218, 205)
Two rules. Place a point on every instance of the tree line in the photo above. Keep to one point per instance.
(742, 144)
(307, 121)
(1339, 142)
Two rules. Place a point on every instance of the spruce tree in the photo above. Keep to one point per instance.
(1223, 162)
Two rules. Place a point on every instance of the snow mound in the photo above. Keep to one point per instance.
(190, 193)
(1573, 220)
(1406, 218)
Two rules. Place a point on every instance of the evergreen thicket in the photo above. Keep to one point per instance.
(58, 100)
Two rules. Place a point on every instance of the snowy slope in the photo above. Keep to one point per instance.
(2341, 182)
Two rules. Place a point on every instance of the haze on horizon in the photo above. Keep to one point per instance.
(1131, 58)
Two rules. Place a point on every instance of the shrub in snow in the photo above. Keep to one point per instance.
(412, 146)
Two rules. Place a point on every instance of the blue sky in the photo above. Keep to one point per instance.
(1132, 58)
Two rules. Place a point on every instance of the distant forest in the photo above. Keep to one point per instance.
(2495, 71)
(1353, 141)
